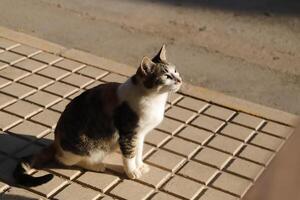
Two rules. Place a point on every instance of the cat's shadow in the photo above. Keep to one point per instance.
(13, 146)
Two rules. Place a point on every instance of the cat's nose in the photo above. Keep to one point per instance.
(178, 80)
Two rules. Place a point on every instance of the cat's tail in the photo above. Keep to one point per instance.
(34, 161)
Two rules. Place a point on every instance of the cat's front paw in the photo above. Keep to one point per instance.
(134, 174)
(144, 168)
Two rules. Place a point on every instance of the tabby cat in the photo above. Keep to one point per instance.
(108, 117)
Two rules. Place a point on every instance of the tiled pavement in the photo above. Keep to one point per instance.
(208, 147)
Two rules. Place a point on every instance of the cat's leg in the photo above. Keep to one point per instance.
(144, 168)
(67, 158)
(128, 149)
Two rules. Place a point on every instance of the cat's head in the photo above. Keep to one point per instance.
(157, 74)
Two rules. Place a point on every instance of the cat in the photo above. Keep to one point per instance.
(108, 117)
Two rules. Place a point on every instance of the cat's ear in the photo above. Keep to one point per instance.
(146, 67)
(161, 55)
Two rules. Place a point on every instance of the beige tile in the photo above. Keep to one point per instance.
(75, 94)
(61, 89)
(157, 138)
(257, 154)
(4, 82)
(47, 139)
(77, 80)
(69, 65)
(213, 194)
(213, 157)
(180, 114)
(10, 58)
(8, 120)
(183, 187)
(43, 98)
(54, 72)
(30, 65)
(182, 147)
(278, 129)
(49, 188)
(60, 107)
(13, 73)
(47, 117)
(174, 97)
(112, 77)
(94, 84)
(7, 44)
(248, 120)
(102, 181)
(198, 172)
(132, 190)
(193, 104)
(238, 132)
(245, 168)
(68, 172)
(197, 135)
(19, 193)
(164, 196)
(155, 177)
(18, 90)
(267, 141)
(23, 109)
(10, 144)
(208, 123)
(232, 184)
(147, 150)
(225, 144)
(73, 189)
(171, 126)
(170, 162)
(36, 81)
(25, 50)
(6, 100)
(30, 130)
(92, 72)
(47, 58)
(219, 112)
(3, 64)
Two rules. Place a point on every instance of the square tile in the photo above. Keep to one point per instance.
(68, 172)
(257, 154)
(77, 80)
(238, 132)
(23, 109)
(54, 72)
(131, 190)
(3, 64)
(101, 181)
(170, 162)
(44, 99)
(164, 196)
(183, 187)
(6, 100)
(81, 193)
(36, 81)
(245, 168)
(208, 123)
(92, 72)
(60, 107)
(112, 77)
(225, 144)
(25, 50)
(213, 194)
(232, 184)
(197, 135)
(157, 138)
(10, 58)
(69, 65)
(4, 82)
(30, 65)
(47, 117)
(193, 104)
(213, 157)
(219, 112)
(182, 147)
(61, 89)
(267, 141)
(30, 130)
(248, 120)
(18, 90)
(19, 193)
(8, 120)
(198, 172)
(180, 114)
(7, 44)
(10, 144)
(94, 84)
(155, 177)
(47, 58)
(174, 97)
(171, 126)
(278, 129)
(13, 73)
(75, 94)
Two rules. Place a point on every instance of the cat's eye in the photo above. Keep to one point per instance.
(169, 76)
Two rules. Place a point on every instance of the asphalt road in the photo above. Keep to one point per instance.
(247, 49)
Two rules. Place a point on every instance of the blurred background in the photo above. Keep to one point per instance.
(245, 48)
